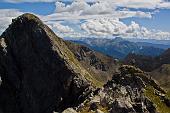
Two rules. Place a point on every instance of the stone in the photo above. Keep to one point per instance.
(99, 111)
(122, 106)
(69, 110)
(123, 90)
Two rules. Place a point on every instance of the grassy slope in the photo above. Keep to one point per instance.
(160, 106)
(162, 75)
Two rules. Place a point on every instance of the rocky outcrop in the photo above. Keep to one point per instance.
(125, 93)
(158, 67)
(39, 73)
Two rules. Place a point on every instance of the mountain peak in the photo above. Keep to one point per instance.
(118, 39)
(39, 70)
(27, 17)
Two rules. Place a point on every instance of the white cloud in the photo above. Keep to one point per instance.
(146, 4)
(107, 27)
(101, 18)
(6, 16)
(82, 10)
(63, 30)
(103, 27)
(164, 5)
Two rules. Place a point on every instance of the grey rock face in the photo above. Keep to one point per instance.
(125, 93)
(39, 72)
(122, 106)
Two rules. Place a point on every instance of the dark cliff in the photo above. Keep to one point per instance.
(39, 73)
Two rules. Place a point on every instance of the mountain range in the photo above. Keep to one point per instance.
(42, 73)
(120, 48)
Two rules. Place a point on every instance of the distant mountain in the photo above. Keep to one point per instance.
(152, 41)
(119, 47)
(162, 46)
(147, 63)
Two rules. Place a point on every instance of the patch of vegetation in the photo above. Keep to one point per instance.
(160, 106)
(168, 93)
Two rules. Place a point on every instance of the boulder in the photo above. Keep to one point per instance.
(69, 110)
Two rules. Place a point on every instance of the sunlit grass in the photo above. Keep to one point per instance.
(160, 106)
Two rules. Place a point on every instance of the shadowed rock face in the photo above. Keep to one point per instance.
(39, 73)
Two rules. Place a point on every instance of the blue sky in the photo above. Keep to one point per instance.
(159, 21)
(42, 8)
(109, 18)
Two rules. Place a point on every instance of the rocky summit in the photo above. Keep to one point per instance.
(41, 73)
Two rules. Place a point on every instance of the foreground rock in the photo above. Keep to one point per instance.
(39, 73)
(125, 93)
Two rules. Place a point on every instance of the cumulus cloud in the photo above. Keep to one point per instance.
(103, 27)
(63, 30)
(146, 4)
(83, 8)
(6, 16)
(114, 27)
(149, 4)
(102, 18)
